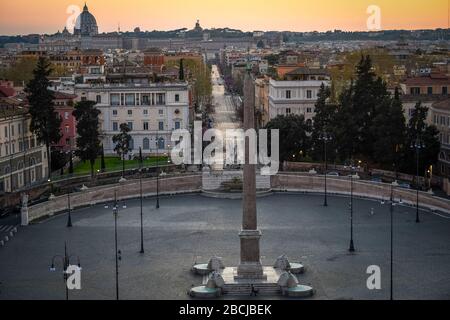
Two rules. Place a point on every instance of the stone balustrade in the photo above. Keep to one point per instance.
(315, 184)
(127, 190)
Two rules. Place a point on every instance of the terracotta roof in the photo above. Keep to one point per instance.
(307, 71)
(423, 81)
(62, 96)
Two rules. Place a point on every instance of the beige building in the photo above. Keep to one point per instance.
(23, 162)
(440, 113)
(152, 111)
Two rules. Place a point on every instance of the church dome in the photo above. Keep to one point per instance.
(86, 24)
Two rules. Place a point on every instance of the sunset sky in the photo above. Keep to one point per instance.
(49, 16)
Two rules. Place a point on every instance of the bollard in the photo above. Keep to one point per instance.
(15, 230)
(6, 239)
(11, 234)
(2, 243)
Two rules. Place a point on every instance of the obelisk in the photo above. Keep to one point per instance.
(250, 266)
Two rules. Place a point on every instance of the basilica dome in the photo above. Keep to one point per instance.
(86, 25)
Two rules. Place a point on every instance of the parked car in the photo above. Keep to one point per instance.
(376, 179)
(333, 174)
(404, 185)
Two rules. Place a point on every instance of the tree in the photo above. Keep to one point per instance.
(295, 140)
(88, 140)
(390, 132)
(181, 71)
(103, 165)
(45, 121)
(122, 141)
(260, 44)
(428, 135)
(324, 122)
(21, 72)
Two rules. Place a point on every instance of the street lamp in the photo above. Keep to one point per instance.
(418, 144)
(118, 252)
(69, 218)
(65, 263)
(142, 222)
(352, 246)
(392, 204)
(157, 171)
(325, 137)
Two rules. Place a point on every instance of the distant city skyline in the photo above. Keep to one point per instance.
(22, 17)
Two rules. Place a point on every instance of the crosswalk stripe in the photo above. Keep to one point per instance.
(8, 229)
(2, 227)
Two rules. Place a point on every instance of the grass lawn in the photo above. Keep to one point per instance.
(115, 164)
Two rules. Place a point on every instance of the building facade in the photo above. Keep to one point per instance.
(294, 97)
(23, 161)
(152, 112)
(440, 113)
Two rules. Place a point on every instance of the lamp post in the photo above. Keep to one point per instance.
(325, 137)
(65, 263)
(142, 205)
(418, 144)
(157, 171)
(352, 246)
(391, 209)
(69, 218)
(118, 252)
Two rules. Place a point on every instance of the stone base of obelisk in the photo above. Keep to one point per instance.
(250, 266)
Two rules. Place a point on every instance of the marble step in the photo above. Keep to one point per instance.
(245, 289)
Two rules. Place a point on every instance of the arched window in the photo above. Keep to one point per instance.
(161, 144)
(146, 144)
(131, 145)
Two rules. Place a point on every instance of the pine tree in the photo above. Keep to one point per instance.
(88, 140)
(45, 121)
(419, 131)
(122, 141)
(324, 123)
(389, 130)
(181, 71)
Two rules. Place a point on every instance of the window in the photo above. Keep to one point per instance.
(98, 99)
(66, 115)
(115, 126)
(308, 110)
(444, 90)
(130, 126)
(161, 125)
(146, 126)
(146, 144)
(415, 91)
(145, 100)
(288, 94)
(6, 132)
(430, 90)
(115, 113)
(160, 99)
(161, 144)
(115, 99)
(145, 111)
(309, 94)
(288, 110)
(12, 131)
(130, 99)
(130, 112)
(161, 112)
(19, 128)
(67, 129)
(177, 98)
(131, 145)
(83, 99)
(177, 125)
